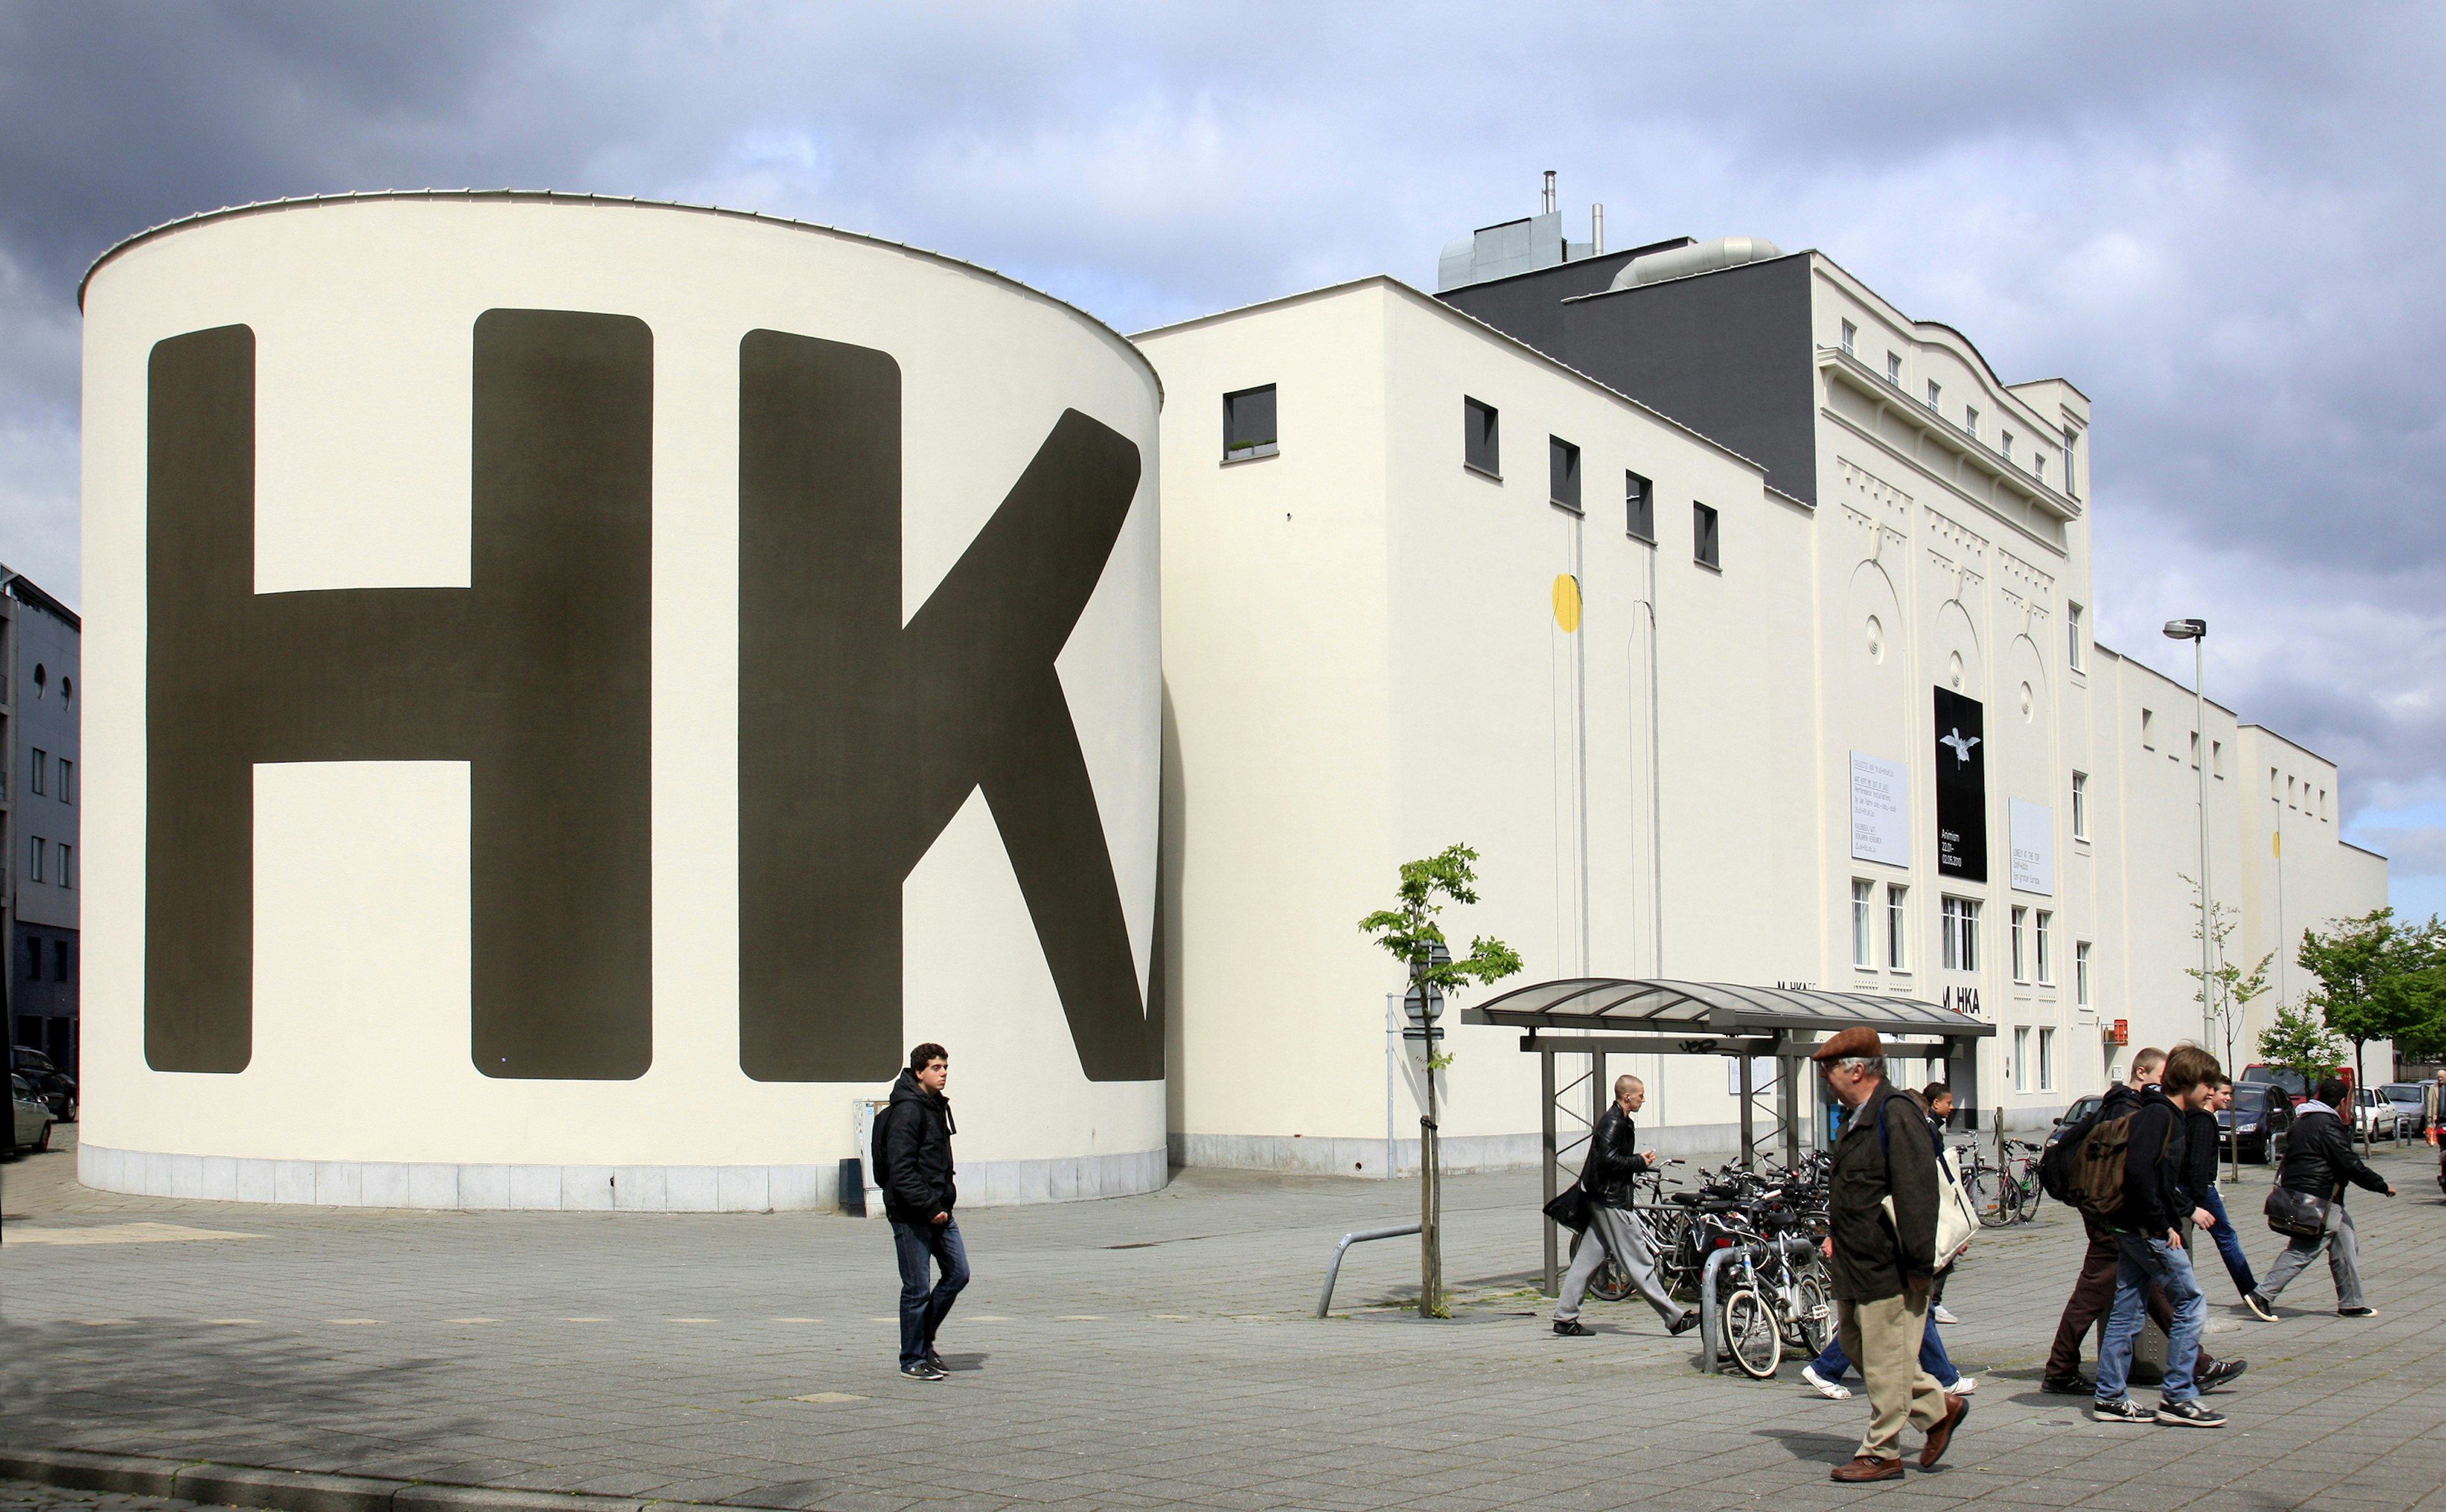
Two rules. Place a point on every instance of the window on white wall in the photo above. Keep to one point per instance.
(2081, 973)
(1864, 934)
(1850, 333)
(1248, 423)
(1961, 927)
(1894, 368)
(2046, 1058)
(2071, 625)
(1481, 438)
(1898, 926)
(2081, 805)
(2021, 1058)
(1706, 546)
(1639, 507)
(2216, 759)
(1935, 394)
(2045, 943)
(1563, 473)
(2148, 729)
(2020, 959)
(1970, 420)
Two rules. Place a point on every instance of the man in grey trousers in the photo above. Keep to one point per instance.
(2320, 1162)
(1613, 1228)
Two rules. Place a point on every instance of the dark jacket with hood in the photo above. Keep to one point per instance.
(2155, 1166)
(1613, 1159)
(1875, 1258)
(2320, 1159)
(916, 1175)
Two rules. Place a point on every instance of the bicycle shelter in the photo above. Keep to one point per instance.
(1594, 1016)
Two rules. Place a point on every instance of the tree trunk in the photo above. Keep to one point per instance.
(1431, 1255)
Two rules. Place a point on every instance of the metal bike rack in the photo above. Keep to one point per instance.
(1710, 1332)
(1333, 1270)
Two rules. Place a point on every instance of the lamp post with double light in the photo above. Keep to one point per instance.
(2196, 632)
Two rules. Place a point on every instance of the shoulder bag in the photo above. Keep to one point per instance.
(1957, 1217)
(1571, 1208)
(2297, 1215)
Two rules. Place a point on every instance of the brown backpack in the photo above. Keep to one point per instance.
(2095, 1181)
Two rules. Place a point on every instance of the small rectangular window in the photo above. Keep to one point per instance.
(1481, 438)
(1970, 422)
(2323, 804)
(1894, 368)
(2046, 1058)
(2081, 973)
(33, 961)
(1935, 394)
(39, 773)
(2020, 963)
(2217, 760)
(1703, 543)
(2021, 1057)
(1864, 932)
(2008, 446)
(59, 961)
(1897, 922)
(2148, 729)
(67, 877)
(2291, 787)
(2039, 465)
(2046, 940)
(1639, 507)
(1961, 934)
(2072, 625)
(2273, 796)
(2068, 470)
(1563, 473)
(2195, 748)
(34, 872)
(1850, 333)
(67, 780)
(2081, 805)
(1249, 424)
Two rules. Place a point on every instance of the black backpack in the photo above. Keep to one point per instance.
(874, 1171)
(2054, 1165)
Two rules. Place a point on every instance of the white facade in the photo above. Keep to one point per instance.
(1364, 665)
(359, 1083)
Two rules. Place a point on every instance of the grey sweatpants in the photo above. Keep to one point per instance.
(2344, 1259)
(1615, 1231)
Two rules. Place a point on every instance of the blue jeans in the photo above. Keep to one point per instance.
(2145, 1261)
(1831, 1362)
(2228, 1244)
(922, 1307)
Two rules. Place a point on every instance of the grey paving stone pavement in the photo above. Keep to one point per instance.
(1136, 1352)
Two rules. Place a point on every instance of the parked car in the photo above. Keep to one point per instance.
(52, 1085)
(2261, 1118)
(2082, 1108)
(2406, 1096)
(29, 1124)
(2292, 1081)
(2374, 1117)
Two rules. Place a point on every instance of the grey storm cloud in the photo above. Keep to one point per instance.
(2219, 220)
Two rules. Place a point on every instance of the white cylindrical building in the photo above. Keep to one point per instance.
(577, 688)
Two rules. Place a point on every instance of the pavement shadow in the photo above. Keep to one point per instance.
(966, 1362)
(1805, 1444)
(230, 1394)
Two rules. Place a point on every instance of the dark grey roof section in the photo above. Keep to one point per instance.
(23, 589)
(568, 197)
(1714, 1008)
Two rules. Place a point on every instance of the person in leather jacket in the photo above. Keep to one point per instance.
(2320, 1161)
(1613, 1228)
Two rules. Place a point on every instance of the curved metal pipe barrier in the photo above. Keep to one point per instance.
(1333, 1270)
(1794, 1246)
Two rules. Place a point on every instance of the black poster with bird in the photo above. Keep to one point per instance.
(1960, 787)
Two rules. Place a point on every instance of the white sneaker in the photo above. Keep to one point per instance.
(1942, 1314)
(1963, 1387)
(1832, 1390)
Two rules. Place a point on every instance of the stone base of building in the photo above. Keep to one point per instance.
(1460, 1152)
(591, 1188)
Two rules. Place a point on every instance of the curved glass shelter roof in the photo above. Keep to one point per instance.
(1714, 1008)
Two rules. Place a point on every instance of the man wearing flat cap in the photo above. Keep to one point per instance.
(1884, 1257)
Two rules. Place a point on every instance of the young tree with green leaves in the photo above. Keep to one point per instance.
(1409, 931)
(2370, 974)
(2225, 992)
(2299, 1040)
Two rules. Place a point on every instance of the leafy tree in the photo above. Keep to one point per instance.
(2371, 971)
(2298, 1039)
(2227, 990)
(1409, 931)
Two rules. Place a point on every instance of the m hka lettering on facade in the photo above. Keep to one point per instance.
(860, 738)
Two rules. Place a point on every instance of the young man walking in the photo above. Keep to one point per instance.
(2320, 1159)
(2150, 1250)
(1613, 1228)
(1881, 1266)
(912, 1150)
(2102, 1260)
(2200, 1124)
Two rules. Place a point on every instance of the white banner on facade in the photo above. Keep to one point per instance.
(2034, 848)
(1881, 810)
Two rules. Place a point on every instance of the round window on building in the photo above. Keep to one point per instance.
(2028, 703)
(1876, 639)
(1953, 670)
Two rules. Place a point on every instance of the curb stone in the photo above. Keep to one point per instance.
(247, 1485)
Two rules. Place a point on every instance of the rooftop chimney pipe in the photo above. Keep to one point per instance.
(1596, 230)
(1545, 206)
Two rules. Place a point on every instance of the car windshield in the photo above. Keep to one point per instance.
(2403, 1091)
(2250, 1099)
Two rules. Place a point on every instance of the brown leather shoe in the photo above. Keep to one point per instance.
(1868, 1467)
(1956, 1408)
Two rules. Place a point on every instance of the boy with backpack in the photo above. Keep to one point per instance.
(2100, 1262)
(2149, 1243)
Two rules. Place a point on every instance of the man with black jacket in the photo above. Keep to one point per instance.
(1882, 1262)
(1613, 1228)
(2200, 1181)
(913, 1151)
(2151, 1252)
(2319, 1160)
(2099, 1262)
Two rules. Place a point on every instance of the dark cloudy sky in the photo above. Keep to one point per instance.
(2222, 221)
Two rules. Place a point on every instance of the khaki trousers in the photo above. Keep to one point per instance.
(1883, 1339)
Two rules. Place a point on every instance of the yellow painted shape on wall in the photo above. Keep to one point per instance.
(1567, 602)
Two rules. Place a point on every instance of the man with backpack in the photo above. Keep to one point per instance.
(2150, 1245)
(2100, 1262)
(2319, 1160)
(913, 1165)
(1882, 1222)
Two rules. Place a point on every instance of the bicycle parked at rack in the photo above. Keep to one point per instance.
(2005, 1194)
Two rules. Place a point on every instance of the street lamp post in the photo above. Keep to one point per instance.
(2196, 632)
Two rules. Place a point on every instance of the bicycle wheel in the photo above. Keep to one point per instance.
(1611, 1282)
(1751, 1334)
(1812, 1313)
(2028, 1208)
(1990, 1196)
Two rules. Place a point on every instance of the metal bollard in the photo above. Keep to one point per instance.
(1333, 1270)
(1711, 1343)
